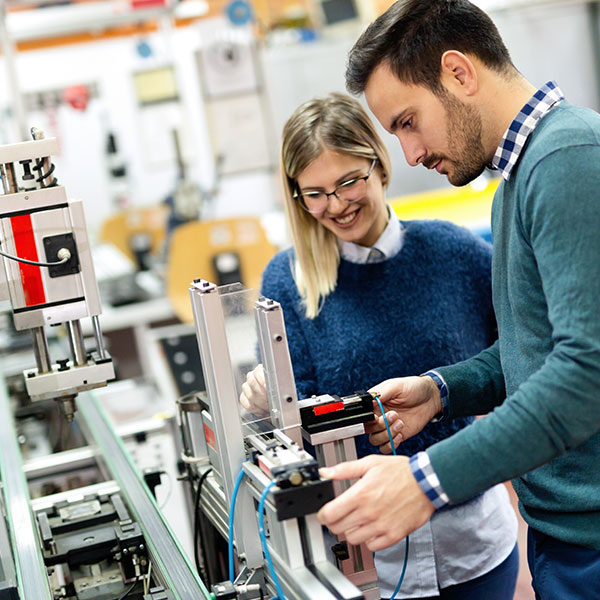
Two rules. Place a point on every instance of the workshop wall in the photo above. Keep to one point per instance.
(292, 71)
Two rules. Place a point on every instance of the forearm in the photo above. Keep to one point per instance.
(555, 410)
(476, 385)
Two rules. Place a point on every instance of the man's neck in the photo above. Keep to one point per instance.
(505, 98)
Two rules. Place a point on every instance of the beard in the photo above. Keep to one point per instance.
(463, 133)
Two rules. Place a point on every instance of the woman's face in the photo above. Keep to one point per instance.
(361, 222)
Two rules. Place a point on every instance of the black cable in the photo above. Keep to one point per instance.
(197, 519)
(129, 590)
(62, 261)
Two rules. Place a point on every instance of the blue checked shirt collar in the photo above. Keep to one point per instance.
(513, 141)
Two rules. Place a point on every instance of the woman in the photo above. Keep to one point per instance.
(358, 311)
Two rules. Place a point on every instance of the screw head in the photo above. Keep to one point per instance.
(296, 478)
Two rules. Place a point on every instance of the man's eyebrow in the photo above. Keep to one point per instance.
(396, 119)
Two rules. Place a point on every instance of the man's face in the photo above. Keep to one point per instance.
(439, 132)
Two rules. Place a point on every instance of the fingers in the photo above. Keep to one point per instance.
(387, 448)
(379, 435)
(254, 394)
(244, 401)
(390, 388)
(259, 374)
(382, 507)
(378, 425)
(338, 514)
(351, 521)
(256, 380)
(360, 527)
(365, 534)
(353, 469)
(374, 544)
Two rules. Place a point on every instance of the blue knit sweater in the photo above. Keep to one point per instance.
(428, 305)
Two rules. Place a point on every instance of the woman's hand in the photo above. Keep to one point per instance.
(254, 393)
(409, 404)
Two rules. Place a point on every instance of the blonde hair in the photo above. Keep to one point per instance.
(340, 124)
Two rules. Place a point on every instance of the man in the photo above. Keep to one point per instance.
(437, 75)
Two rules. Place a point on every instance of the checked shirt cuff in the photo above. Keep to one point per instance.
(428, 481)
(444, 394)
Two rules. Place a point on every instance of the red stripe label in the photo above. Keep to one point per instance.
(209, 434)
(31, 276)
(328, 408)
(135, 4)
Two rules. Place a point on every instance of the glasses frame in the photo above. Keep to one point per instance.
(299, 196)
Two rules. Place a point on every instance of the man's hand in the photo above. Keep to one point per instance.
(254, 393)
(383, 507)
(409, 404)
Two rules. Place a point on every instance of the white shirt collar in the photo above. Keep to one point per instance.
(388, 245)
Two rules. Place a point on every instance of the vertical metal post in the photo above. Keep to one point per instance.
(11, 71)
(31, 571)
(98, 336)
(41, 351)
(279, 375)
(76, 342)
(46, 178)
(223, 401)
(359, 568)
(9, 182)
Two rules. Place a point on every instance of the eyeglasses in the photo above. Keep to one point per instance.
(349, 191)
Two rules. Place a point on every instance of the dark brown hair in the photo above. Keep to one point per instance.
(412, 35)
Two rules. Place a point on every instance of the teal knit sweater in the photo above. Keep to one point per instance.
(546, 288)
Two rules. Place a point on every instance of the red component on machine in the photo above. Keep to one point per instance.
(77, 96)
(136, 4)
(31, 276)
(328, 408)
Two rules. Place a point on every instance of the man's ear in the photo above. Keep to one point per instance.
(458, 73)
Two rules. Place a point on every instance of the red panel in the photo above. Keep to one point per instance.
(209, 434)
(328, 408)
(135, 4)
(31, 276)
(263, 465)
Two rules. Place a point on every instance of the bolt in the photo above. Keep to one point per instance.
(277, 337)
(288, 399)
(295, 478)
